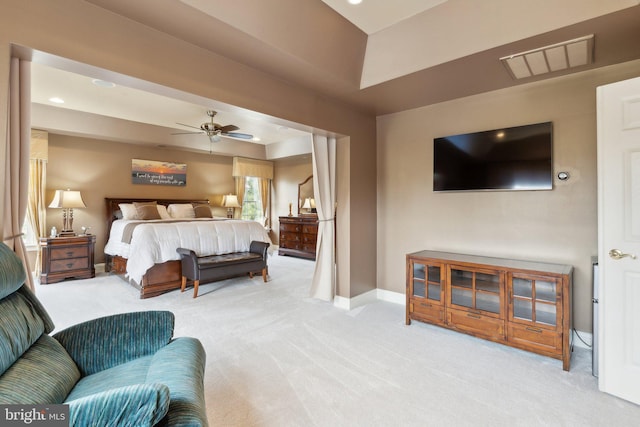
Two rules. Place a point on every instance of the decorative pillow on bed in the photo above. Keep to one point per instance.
(181, 210)
(202, 211)
(128, 211)
(162, 210)
(147, 210)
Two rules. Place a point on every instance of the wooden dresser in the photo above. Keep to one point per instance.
(298, 236)
(67, 257)
(522, 304)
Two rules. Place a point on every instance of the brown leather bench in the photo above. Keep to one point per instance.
(217, 267)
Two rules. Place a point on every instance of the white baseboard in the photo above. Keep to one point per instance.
(400, 298)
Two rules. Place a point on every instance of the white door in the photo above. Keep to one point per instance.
(619, 238)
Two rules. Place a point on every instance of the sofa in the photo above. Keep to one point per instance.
(121, 370)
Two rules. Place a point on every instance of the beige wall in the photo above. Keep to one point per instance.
(121, 45)
(102, 169)
(557, 226)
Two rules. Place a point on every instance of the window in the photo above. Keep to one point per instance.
(252, 204)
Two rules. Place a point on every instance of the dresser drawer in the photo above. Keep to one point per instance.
(285, 244)
(309, 247)
(534, 337)
(294, 228)
(69, 252)
(310, 229)
(475, 323)
(309, 239)
(424, 309)
(69, 264)
(290, 237)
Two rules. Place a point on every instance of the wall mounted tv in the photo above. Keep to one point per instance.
(516, 158)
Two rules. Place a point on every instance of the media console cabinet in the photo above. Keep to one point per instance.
(522, 304)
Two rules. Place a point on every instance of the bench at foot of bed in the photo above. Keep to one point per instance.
(217, 267)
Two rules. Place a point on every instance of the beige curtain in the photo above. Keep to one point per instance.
(16, 167)
(323, 285)
(240, 183)
(263, 186)
(37, 208)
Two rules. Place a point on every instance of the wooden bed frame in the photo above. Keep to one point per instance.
(158, 279)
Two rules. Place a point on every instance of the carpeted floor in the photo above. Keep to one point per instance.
(276, 357)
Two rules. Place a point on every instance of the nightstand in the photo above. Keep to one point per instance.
(67, 257)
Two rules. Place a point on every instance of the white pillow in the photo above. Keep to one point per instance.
(128, 211)
(183, 210)
(162, 210)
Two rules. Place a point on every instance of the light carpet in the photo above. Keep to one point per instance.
(276, 357)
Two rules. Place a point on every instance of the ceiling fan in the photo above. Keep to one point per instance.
(214, 130)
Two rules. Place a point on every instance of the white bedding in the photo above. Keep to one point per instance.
(154, 243)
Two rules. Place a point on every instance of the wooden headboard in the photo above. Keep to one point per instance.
(113, 208)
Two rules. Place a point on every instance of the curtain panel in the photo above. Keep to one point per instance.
(323, 285)
(264, 185)
(16, 167)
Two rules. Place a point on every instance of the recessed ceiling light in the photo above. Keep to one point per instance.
(56, 100)
(355, 1)
(103, 83)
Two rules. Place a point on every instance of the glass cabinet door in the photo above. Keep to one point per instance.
(534, 300)
(473, 289)
(426, 281)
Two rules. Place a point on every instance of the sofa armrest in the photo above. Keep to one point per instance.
(259, 248)
(105, 342)
(137, 405)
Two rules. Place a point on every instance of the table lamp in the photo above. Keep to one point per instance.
(67, 200)
(230, 202)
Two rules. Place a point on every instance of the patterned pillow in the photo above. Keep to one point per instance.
(202, 211)
(147, 210)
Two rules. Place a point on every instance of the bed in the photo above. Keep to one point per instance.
(144, 253)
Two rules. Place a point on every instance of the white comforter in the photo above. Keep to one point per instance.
(154, 243)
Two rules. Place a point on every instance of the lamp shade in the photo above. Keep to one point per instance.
(67, 199)
(309, 203)
(231, 201)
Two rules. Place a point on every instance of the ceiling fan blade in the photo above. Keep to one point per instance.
(238, 135)
(186, 133)
(227, 128)
(189, 126)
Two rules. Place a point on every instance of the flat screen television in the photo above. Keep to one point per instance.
(515, 158)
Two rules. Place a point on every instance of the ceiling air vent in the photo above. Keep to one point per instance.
(548, 59)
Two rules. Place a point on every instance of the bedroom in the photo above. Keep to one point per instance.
(380, 221)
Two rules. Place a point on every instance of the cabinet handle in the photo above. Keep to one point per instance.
(475, 316)
(69, 253)
(536, 330)
(69, 265)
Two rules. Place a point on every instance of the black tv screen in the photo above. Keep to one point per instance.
(516, 158)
